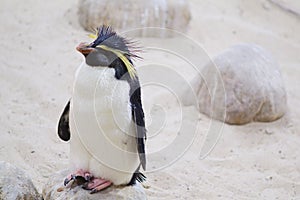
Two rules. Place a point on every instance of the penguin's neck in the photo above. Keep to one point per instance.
(99, 84)
(90, 70)
(88, 78)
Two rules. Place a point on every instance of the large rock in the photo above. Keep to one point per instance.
(125, 15)
(253, 85)
(54, 189)
(14, 184)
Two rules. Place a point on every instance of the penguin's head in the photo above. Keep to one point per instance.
(108, 50)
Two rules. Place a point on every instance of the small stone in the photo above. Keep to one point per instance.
(268, 132)
(60, 189)
(269, 178)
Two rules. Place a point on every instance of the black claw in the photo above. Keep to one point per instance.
(88, 178)
(73, 177)
(66, 181)
(93, 191)
(85, 186)
(78, 180)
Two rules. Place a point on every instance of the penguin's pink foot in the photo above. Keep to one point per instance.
(97, 184)
(79, 177)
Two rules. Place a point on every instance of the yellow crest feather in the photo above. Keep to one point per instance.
(92, 35)
(131, 70)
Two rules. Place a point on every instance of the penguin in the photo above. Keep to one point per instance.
(104, 119)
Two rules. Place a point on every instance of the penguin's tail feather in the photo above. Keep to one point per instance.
(140, 177)
(137, 176)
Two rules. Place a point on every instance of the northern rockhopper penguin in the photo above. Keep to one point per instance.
(104, 118)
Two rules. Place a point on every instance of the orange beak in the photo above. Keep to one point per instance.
(84, 48)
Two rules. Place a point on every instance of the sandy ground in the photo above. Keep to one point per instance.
(255, 161)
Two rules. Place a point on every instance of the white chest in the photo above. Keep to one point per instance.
(98, 92)
(100, 104)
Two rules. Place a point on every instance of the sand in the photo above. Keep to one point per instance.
(255, 161)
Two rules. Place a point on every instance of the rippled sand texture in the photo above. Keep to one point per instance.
(256, 161)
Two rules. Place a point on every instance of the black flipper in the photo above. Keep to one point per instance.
(63, 129)
(138, 118)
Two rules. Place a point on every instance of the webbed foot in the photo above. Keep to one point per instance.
(79, 177)
(97, 184)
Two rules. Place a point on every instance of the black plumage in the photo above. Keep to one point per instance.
(108, 37)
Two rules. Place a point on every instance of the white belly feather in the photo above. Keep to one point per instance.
(101, 125)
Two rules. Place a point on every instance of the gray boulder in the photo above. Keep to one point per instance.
(14, 184)
(55, 190)
(244, 85)
(136, 15)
